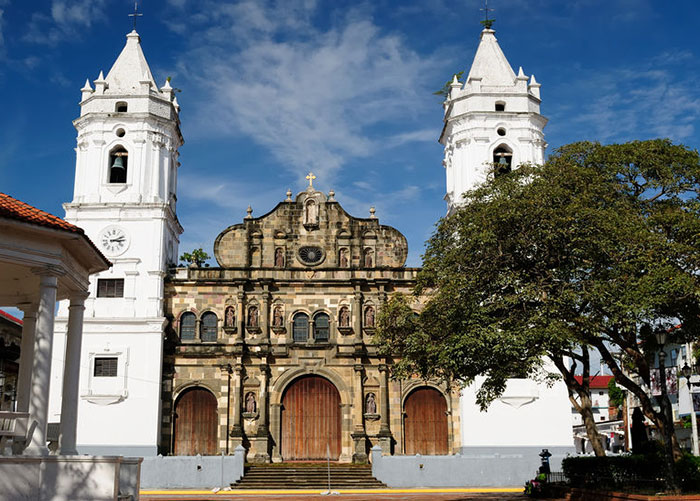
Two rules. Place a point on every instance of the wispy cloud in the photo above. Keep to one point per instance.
(308, 95)
(65, 19)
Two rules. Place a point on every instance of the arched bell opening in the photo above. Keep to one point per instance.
(118, 164)
(503, 159)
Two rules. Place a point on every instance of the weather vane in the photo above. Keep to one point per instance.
(487, 22)
(136, 13)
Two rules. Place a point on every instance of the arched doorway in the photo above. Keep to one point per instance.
(425, 422)
(310, 420)
(196, 420)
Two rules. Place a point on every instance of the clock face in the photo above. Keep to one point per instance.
(113, 240)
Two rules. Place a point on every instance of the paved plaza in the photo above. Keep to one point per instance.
(389, 495)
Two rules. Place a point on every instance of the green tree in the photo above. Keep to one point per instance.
(593, 249)
(195, 258)
(616, 395)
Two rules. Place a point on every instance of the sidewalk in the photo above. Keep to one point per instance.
(448, 494)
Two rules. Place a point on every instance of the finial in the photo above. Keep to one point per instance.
(532, 80)
(455, 81)
(331, 196)
(487, 23)
(249, 210)
(372, 210)
(135, 14)
(87, 87)
(101, 77)
(289, 196)
(311, 178)
(521, 73)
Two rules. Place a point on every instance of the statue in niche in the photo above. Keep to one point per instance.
(230, 320)
(368, 258)
(344, 317)
(343, 258)
(277, 317)
(371, 404)
(369, 317)
(311, 214)
(250, 404)
(253, 316)
(279, 257)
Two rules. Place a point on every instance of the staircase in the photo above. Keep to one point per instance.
(307, 476)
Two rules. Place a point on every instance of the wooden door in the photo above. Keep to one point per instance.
(310, 420)
(425, 422)
(196, 420)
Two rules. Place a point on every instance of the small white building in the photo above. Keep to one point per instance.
(43, 259)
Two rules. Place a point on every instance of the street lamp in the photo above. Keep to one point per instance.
(686, 371)
(665, 405)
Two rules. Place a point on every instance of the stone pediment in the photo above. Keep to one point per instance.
(310, 232)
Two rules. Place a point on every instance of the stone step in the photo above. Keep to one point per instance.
(307, 476)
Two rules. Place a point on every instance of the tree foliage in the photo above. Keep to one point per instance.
(195, 258)
(596, 248)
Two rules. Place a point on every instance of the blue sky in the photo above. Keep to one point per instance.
(273, 89)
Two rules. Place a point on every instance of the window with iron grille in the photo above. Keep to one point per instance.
(110, 287)
(301, 328)
(321, 327)
(106, 366)
(208, 327)
(187, 326)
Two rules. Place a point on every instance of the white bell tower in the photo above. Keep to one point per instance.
(493, 118)
(125, 200)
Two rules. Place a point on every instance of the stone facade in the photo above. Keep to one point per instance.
(307, 256)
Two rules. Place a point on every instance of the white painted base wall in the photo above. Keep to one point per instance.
(527, 415)
(121, 415)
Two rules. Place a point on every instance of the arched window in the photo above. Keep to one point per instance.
(121, 107)
(503, 158)
(118, 163)
(300, 328)
(321, 327)
(207, 327)
(187, 323)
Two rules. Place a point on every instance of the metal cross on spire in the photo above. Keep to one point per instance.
(487, 22)
(311, 178)
(136, 13)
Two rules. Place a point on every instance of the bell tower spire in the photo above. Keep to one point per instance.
(492, 121)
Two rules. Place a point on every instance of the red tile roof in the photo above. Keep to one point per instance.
(598, 382)
(12, 208)
(10, 317)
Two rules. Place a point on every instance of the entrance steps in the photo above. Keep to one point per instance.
(308, 476)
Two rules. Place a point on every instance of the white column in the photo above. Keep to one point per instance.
(41, 368)
(26, 358)
(71, 376)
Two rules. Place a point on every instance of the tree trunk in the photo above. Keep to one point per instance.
(583, 405)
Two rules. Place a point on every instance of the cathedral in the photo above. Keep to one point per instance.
(272, 348)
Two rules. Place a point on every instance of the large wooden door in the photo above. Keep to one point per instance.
(196, 421)
(425, 422)
(310, 420)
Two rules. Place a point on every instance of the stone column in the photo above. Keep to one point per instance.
(359, 437)
(384, 434)
(237, 402)
(276, 431)
(240, 332)
(26, 358)
(266, 316)
(71, 376)
(357, 317)
(41, 367)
